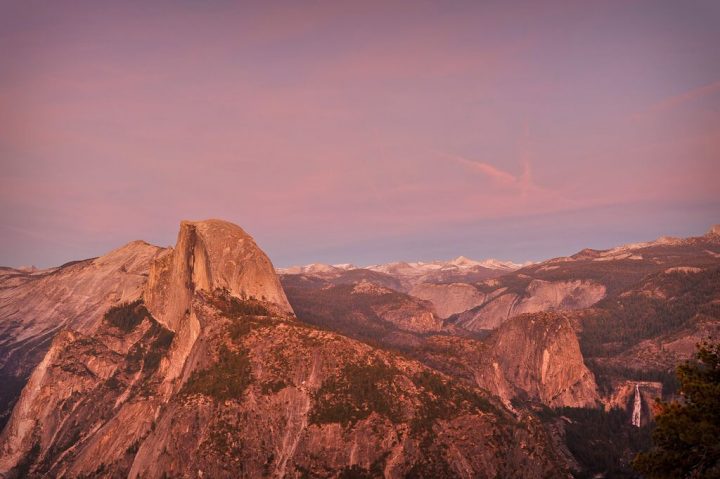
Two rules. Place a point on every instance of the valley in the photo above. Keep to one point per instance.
(203, 360)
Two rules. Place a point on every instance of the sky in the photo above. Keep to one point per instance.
(360, 132)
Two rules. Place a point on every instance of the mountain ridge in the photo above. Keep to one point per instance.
(210, 371)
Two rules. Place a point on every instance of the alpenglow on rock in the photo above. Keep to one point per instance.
(209, 255)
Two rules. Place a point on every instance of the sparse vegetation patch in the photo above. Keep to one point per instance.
(442, 399)
(359, 390)
(227, 379)
(235, 307)
(127, 316)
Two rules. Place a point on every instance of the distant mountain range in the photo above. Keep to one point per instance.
(461, 263)
(200, 361)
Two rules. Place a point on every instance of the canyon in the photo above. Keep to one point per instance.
(203, 360)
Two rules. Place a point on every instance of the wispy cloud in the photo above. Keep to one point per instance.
(522, 183)
(674, 101)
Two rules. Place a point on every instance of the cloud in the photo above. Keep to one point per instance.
(674, 101)
(495, 174)
(522, 182)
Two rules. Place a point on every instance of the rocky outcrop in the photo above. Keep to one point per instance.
(361, 309)
(213, 377)
(539, 295)
(538, 356)
(35, 306)
(259, 395)
(449, 299)
(532, 357)
(404, 312)
(79, 385)
(210, 255)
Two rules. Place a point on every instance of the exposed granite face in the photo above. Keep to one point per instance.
(539, 295)
(213, 377)
(449, 299)
(257, 395)
(532, 356)
(210, 255)
(75, 295)
(539, 354)
(403, 311)
(35, 306)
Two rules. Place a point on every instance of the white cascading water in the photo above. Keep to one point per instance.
(637, 407)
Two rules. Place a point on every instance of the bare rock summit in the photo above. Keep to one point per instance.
(210, 255)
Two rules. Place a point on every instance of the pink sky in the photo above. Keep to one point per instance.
(358, 131)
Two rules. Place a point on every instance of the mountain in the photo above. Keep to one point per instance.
(210, 255)
(503, 300)
(360, 307)
(449, 298)
(198, 360)
(582, 280)
(316, 268)
(612, 323)
(498, 363)
(198, 367)
(532, 357)
(35, 306)
(410, 274)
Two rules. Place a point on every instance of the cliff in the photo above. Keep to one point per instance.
(35, 306)
(538, 295)
(257, 395)
(210, 375)
(539, 354)
(532, 357)
(449, 299)
(210, 255)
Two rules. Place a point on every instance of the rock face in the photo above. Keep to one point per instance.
(212, 376)
(210, 255)
(532, 357)
(258, 395)
(638, 399)
(449, 299)
(402, 311)
(303, 412)
(85, 387)
(360, 308)
(189, 361)
(35, 306)
(538, 356)
(539, 295)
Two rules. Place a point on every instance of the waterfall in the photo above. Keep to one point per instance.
(637, 407)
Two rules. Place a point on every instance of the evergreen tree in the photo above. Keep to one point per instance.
(686, 439)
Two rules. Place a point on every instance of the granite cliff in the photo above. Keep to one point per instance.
(35, 306)
(204, 372)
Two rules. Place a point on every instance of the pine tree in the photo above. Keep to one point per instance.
(686, 439)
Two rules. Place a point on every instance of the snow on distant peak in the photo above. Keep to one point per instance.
(504, 265)
(314, 268)
(490, 263)
(619, 251)
(408, 268)
(345, 266)
(459, 263)
(463, 261)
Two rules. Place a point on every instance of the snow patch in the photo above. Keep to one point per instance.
(683, 269)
